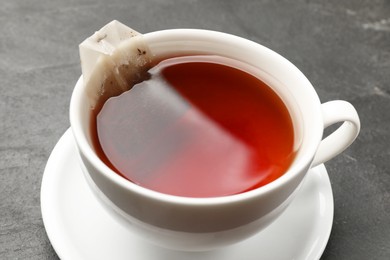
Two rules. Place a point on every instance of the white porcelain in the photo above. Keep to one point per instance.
(207, 223)
(80, 228)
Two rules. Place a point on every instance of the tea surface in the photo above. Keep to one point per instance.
(196, 127)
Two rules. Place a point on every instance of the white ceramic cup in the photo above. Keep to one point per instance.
(206, 223)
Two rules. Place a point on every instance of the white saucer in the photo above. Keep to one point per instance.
(79, 228)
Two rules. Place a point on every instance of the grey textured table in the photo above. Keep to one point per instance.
(343, 47)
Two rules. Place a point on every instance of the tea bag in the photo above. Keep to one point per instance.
(113, 59)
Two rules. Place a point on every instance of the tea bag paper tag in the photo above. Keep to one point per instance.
(115, 52)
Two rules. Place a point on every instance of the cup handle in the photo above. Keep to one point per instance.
(334, 112)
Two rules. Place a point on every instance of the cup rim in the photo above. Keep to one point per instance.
(298, 166)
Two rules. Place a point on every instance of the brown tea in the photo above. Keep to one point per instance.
(196, 126)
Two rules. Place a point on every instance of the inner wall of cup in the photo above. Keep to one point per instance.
(300, 99)
(80, 114)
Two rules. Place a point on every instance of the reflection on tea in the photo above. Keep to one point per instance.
(196, 126)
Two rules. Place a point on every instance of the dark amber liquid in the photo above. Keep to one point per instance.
(197, 127)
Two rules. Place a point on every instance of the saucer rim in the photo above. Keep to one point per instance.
(51, 224)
